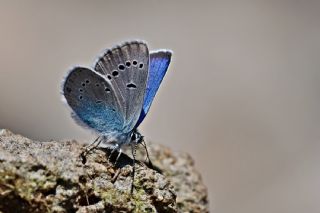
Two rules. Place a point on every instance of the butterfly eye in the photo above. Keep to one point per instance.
(133, 137)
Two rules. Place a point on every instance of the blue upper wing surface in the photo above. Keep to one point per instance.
(158, 65)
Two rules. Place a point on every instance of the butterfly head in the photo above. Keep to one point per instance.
(136, 137)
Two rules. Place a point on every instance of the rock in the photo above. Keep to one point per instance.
(51, 177)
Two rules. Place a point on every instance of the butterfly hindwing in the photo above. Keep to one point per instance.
(126, 66)
(159, 63)
(93, 100)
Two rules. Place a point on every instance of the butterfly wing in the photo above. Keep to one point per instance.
(126, 66)
(159, 63)
(93, 101)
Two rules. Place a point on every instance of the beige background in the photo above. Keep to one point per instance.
(242, 94)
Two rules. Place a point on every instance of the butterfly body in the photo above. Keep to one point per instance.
(114, 97)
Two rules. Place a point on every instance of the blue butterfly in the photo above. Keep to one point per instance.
(114, 97)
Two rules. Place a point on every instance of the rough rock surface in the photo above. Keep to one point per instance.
(51, 177)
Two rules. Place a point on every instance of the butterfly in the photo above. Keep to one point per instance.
(114, 97)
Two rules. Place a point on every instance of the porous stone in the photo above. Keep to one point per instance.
(51, 177)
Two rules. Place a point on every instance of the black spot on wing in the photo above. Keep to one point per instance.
(115, 73)
(121, 67)
(131, 86)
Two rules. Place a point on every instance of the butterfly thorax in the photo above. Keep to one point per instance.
(120, 139)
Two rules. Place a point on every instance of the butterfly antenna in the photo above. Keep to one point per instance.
(145, 147)
(133, 149)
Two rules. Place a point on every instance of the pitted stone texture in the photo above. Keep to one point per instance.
(50, 177)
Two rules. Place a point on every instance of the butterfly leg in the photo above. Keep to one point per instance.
(145, 147)
(92, 144)
(114, 178)
(114, 148)
(120, 151)
(133, 149)
(90, 147)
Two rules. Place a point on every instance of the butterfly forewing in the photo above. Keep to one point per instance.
(93, 100)
(126, 66)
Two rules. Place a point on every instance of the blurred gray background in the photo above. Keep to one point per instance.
(242, 94)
